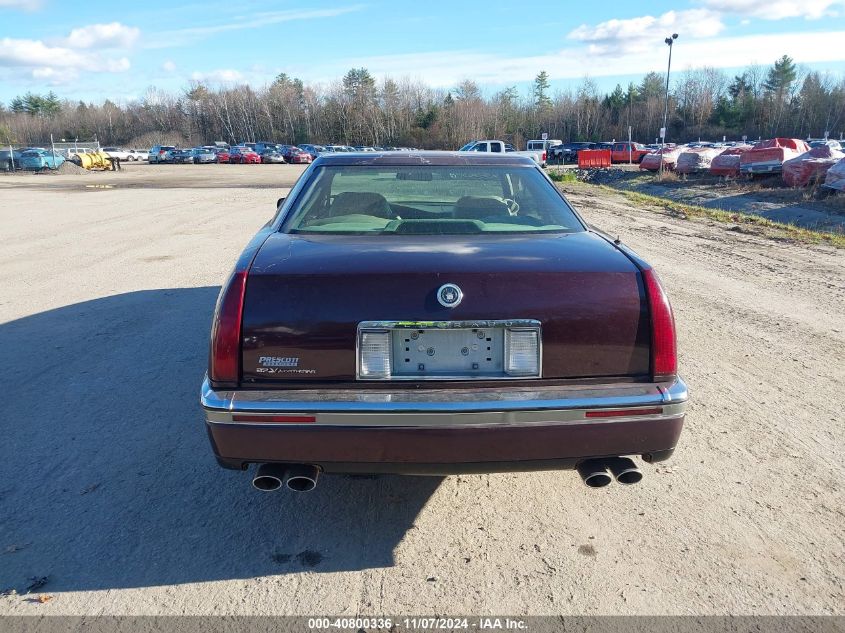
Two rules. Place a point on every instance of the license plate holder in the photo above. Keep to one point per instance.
(448, 352)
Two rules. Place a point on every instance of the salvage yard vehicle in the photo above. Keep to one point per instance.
(272, 156)
(160, 154)
(203, 155)
(122, 154)
(767, 157)
(37, 159)
(567, 152)
(10, 160)
(243, 155)
(625, 152)
(296, 156)
(500, 147)
(182, 156)
(538, 145)
(437, 313)
(314, 150)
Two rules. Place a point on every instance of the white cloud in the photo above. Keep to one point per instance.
(447, 68)
(55, 62)
(44, 73)
(189, 35)
(111, 35)
(25, 5)
(221, 75)
(694, 23)
(640, 33)
(779, 9)
(169, 66)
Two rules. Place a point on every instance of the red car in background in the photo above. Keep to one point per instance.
(623, 152)
(243, 155)
(223, 156)
(295, 155)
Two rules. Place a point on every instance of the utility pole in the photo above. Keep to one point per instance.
(669, 41)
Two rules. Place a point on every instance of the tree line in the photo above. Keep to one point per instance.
(781, 100)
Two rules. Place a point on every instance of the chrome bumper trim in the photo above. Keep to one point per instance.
(447, 407)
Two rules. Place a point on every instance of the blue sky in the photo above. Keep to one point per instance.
(95, 50)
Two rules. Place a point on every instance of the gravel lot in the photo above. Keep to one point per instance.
(109, 490)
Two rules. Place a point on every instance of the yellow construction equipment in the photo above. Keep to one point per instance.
(95, 161)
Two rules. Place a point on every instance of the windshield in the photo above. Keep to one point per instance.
(442, 200)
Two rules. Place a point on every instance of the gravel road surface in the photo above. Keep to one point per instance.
(109, 492)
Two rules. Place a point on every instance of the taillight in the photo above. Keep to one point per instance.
(225, 352)
(544, 156)
(664, 355)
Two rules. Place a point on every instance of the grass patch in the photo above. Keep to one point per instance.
(666, 176)
(769, 228)
(563, 175)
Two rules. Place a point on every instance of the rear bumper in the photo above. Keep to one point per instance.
(444, 431)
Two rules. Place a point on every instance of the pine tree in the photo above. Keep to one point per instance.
(541, 89)
(781, 76)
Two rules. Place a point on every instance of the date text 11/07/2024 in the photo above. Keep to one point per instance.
(419, 624)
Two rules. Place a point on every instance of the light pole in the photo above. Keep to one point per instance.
(669, 41)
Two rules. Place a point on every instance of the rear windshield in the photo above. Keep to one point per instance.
(442, 200)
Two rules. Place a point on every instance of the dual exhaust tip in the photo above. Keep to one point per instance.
(297, 477)
(597, 473)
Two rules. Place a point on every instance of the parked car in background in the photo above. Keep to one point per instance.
(40, 159)
(504, 334)
(259, 146)
(625, 151)
(297, 156)
(500, 147)
(567, 152)
(314, 150)
(10, 160)
(538, 145)
(70, 152)
(223, 155)
(820, 142)
(203, 155)
(666, 156)
(243, 155)
(768, 156)
(272, 156)
(137, 154)
(116, 152)
(159, 153)
(181, 156)
(333, 149)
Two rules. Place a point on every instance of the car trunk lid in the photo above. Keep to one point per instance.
(307, 294)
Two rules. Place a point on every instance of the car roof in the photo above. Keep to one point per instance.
(424, 158)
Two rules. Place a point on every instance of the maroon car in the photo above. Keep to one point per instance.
(435, 313)
(296, 156)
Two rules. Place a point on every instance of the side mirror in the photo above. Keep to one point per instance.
(279, 202)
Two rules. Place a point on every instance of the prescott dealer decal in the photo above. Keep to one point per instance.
(281, 365)
(279, 361)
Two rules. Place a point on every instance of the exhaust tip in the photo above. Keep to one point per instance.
(301, 484)
(625, 470)
(302, 477)
(269, 477)
(267, 483)
(594, 473)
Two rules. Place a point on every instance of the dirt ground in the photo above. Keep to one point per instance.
(109, 493)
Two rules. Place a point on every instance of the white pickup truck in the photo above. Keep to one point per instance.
(500, 147)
